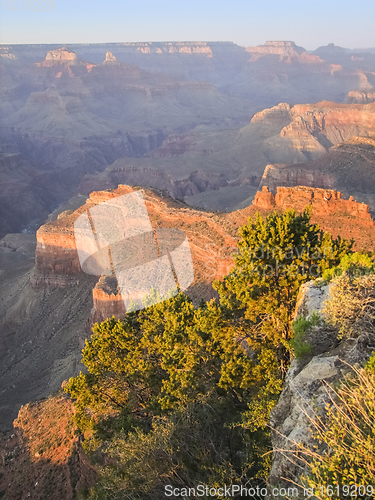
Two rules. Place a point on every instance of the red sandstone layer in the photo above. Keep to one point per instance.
(212, 237)
(323, 202)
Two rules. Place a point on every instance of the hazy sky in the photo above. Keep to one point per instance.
(246, 22)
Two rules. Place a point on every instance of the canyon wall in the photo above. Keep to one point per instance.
(212, 237)
(123, 171)
(313, 128)
(323, 202)
(276, 175)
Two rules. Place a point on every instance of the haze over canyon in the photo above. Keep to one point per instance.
(211, 132)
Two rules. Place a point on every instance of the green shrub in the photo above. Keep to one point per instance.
(300, 326)
(354, 264)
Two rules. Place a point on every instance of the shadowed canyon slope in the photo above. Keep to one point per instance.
(70, 112)
(221, 170)
(348, 167)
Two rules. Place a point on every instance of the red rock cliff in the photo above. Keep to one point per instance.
(212, 237)
(323, 202)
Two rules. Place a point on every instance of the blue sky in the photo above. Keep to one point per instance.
(246, 22)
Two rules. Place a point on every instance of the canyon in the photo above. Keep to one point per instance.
(41, 447)
(188, 117)
(211, 133)
(49, 304)
(283, 145)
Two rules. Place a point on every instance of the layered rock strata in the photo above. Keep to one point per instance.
(323, 202)
(212, 237)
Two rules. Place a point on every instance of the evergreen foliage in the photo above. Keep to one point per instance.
(355, 264)
(195, 385)
(276, 256)
(300, 326)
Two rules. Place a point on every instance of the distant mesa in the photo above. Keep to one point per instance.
(59, 56)
(192, 48)
(285, 50)
(277, 47)
(330, 49)
(110, 58)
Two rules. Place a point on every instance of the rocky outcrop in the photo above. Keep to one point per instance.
(308, 386)
(56, 258)
(323, 202)
(107, 300)
(277, 115)
(41, 456)
(277, 47)
(212, 239)
(264, 199)
(110, 58)
(360, 97)
(347, 167)
(59, 56)
(276, 175)
(62, 57)
(313, 128)
(287, 51)
(330, 121)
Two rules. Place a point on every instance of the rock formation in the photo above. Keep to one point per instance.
(107, 300)
(318, 126)
(347, 167)
(307, 386)
(323, 202)
(287, 51)
(212, 238)
(277, 47)
(59, 56)
(360, 97)
(110, 58)
(276, 175)
(41, 456)
(337, 122)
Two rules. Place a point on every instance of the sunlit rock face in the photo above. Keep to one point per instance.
(59, 56)
(323, 202)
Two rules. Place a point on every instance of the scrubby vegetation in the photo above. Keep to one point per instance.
(351, 308)
(177, 394)
(348, 464)
(354, 264)
(300, 327)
